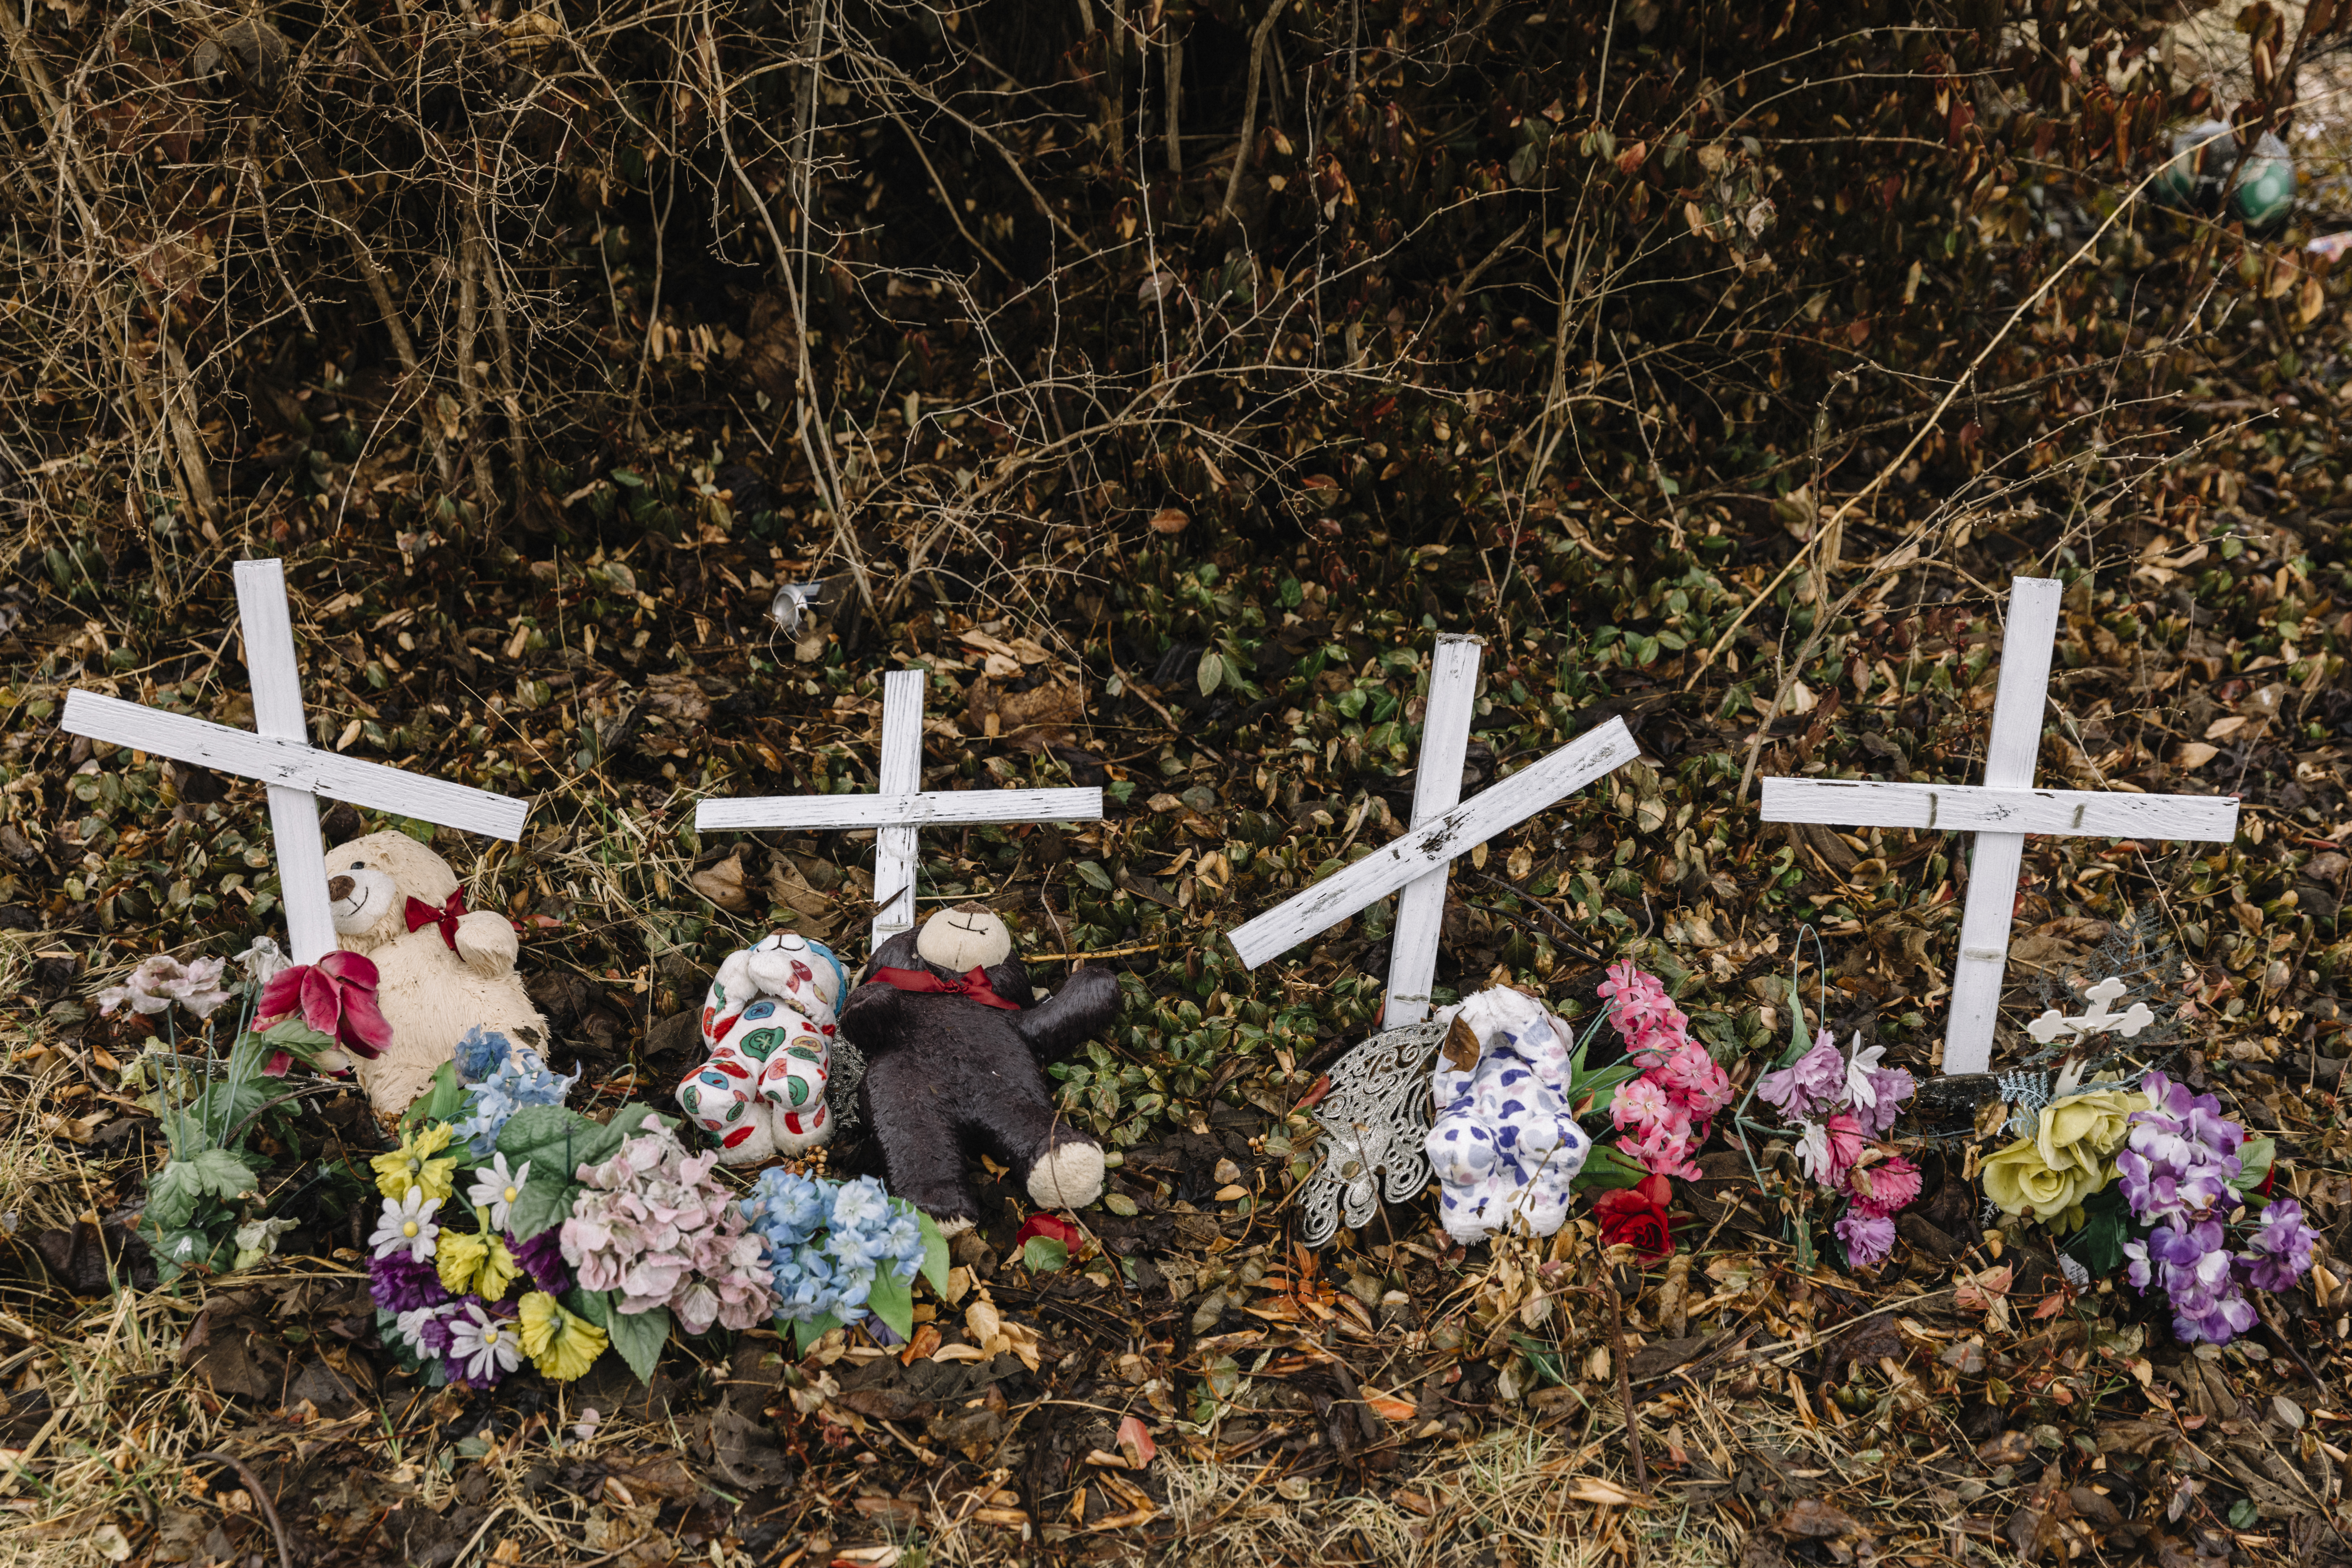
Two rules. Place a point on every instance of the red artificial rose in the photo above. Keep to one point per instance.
(1636, 1215)
(335, 996)
(1053, 1227)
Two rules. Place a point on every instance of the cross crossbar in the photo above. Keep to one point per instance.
(1426, 846)
(900, 808)
(277, 752)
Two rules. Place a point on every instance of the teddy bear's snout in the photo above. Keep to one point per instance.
(339, 888)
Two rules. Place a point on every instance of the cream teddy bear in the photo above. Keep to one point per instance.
(442, 970)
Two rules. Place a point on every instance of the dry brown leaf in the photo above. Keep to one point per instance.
(1809, 1519)
(722, 883)
(1033, 719)
(1170, 520)
(1607, 1494)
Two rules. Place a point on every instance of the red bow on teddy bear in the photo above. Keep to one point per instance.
(422, 914)
(973, 985)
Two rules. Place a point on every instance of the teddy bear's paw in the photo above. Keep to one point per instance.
(486, 941)
(951, 1226)
(1068, 1176)
(796, 1132)
(749, 1144)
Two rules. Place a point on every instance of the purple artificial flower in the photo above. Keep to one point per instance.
(2192, 1265)
(2279, 1252)
(542, 1258)
(1895, 1085)
(1811, 1084)
(2157, 1190)
(433, 1332)
(400, 1283)
(2183, 1154)
(1868, 1237)
(2182, 1129)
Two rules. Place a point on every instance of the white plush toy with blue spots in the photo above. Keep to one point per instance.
(1506, 1144)
(769, 1023)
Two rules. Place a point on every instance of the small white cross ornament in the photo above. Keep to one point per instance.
(1414, 864)
(900, 808)
(2002, 812)
(282, 757)
(2098, 1020)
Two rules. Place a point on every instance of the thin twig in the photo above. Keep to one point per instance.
(261, 1498)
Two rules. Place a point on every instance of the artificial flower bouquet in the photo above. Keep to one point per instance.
(321, 1016)
(515, 1229)
(1844, 1103)
(2157, 1177)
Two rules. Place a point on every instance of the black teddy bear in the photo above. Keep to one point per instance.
(954, 1042)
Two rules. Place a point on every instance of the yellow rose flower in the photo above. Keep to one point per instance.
(413, 1165)
(475, 1262)
(562, 1345)
(2085, 1130)
(2019, 1180)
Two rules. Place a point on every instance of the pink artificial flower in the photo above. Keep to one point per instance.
(1828, 1149)
(1664, 1146)
(335, 996)
(1883, 1187)
(1691, 1078)
(1639, 1103)
(656, 1227)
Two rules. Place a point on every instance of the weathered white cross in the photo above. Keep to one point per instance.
(2098, 1020)
(2002, 812)
(1414, 864)
(282, 757)
(900, 808)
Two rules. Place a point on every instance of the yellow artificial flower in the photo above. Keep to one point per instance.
(475, 1262)
(2085, 1130)
(562, 1345)
(413, 1165)
(2019, 1181)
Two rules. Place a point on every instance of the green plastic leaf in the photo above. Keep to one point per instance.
(639, 1337)
(2254, 1158)
(809, 1331)
(1045, 1255)
(445, 1101)
(554, 1134)
(892, 1299)
(935, 1253)
(1606, 1169)
(2107, 1226)
(1091, 873)
(546, 1201)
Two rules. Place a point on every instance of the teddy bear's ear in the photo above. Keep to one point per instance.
(340, 822)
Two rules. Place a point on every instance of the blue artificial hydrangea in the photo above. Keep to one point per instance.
(827, 1242)
(519, 1079)
(787, 1209)
(481, 1053)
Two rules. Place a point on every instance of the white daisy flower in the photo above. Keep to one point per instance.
(487, 1348)
(407, 1226)
(496, 1188)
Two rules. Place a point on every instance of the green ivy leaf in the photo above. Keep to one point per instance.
(1045, 1255)
(1212, 671)
(2254, 1158)
(1091, 873)
(639, 1337)
(935, 1252)
(892, 1299)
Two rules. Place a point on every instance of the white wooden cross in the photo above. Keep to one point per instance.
(2002, 812)
(2098, 1020)
(1414, 864)
(282, 757)
(900, 808)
